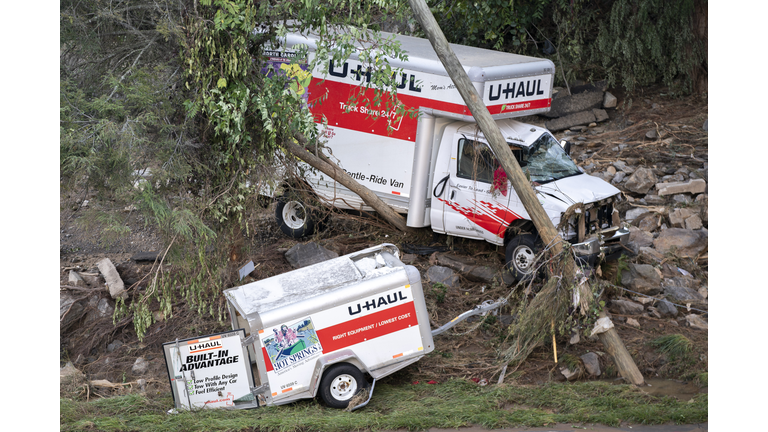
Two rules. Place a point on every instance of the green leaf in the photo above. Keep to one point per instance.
(221, 83)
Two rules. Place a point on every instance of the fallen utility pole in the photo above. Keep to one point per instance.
(520, 183)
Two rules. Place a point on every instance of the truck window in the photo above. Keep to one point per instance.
(546, 161)
(475, 161)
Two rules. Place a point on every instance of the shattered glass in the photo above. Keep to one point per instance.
(545, 161)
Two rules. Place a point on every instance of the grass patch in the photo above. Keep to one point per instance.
(673, 345)
(453, 404)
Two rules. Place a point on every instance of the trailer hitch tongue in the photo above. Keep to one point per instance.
(480, 309)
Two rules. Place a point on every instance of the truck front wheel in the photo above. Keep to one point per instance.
(520, 254)
(340, 383)
(294, 218)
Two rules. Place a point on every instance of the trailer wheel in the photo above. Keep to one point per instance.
(294, 217)
(521, 253)
(340, 383)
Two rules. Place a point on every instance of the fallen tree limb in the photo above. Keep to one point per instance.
(338, 174)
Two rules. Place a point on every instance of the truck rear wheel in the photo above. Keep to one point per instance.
(521, 254)
(294, 217)
(340, 383)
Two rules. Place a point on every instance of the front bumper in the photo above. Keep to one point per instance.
(605, 243)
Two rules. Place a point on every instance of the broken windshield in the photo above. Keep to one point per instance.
(546, 161)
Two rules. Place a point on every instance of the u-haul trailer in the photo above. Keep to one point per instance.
(317, 330)
(437, 167)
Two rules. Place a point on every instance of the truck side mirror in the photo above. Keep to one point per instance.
(566, 145)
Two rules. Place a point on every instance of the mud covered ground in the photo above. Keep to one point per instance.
(104, 350)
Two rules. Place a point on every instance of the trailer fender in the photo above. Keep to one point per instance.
(326, 361)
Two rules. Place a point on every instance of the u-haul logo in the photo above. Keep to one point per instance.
(358, 74)
(205, 346)
(376, 303)
(515, 90)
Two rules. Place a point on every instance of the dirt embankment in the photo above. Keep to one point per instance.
(656, 132)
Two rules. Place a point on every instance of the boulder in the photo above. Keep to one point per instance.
(75, 279)
(591, 363)
(642, 278)
(443, 275)
(112, 278)
(694, 223)
(640, 237)
(694, 186)
(684, 242)
(683, 295)
(609, 100)
(650, 254)
(70, 310)
(575, 103)
(625, 307)
(303, 255)
(697, 322)
(666, 309)
(562, 123)
(600, 115)
(641, 181)
(678, 216)
(634, 213)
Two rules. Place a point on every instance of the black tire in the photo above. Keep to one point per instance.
(520, 255)
(341, 383)
(294, 217)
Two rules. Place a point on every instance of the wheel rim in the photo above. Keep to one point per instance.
(294, 215)
(343, 387)
(523, 258)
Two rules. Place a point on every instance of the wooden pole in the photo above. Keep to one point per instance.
(520, 183)
(616, 349)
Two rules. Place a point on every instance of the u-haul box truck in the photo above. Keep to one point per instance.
(317, 330)
(437, 167)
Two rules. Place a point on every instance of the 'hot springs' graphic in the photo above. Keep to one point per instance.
(290, 345)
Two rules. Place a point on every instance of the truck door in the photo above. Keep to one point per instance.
(477, 197)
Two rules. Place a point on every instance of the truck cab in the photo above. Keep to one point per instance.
(473, 197)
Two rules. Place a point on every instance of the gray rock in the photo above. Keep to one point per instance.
(652, 134)
(654, 199)
(591, 363)
(650, 254)
(693, 223)
(619, 177)
(641, 181)
(577, 102)
(303, 255)
(114, 345)
(600, 115)
(694, 186)
(678, 216)
(682, 198)
(620, 165)
(69, 310)
(443, 275)
(642, 278)
(75, 279)
(685, 243)
(633, 322)
(640, 237)
(625, 307)
(104, 308)
(684, 295)
(610, 101)
(634, 213)
(140, 366)
(69, 373)
(666, 309)
(570, 120)
(112, 278)
(697, 322)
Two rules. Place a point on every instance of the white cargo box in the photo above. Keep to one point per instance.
(364, 309)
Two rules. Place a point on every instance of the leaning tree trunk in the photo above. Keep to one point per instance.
(522, 186)
(332, 170)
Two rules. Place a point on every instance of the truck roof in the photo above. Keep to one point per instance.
(480, 64)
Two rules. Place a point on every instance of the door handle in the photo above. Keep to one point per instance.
(453, 193)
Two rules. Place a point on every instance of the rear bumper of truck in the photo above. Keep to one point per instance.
(605, 243)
